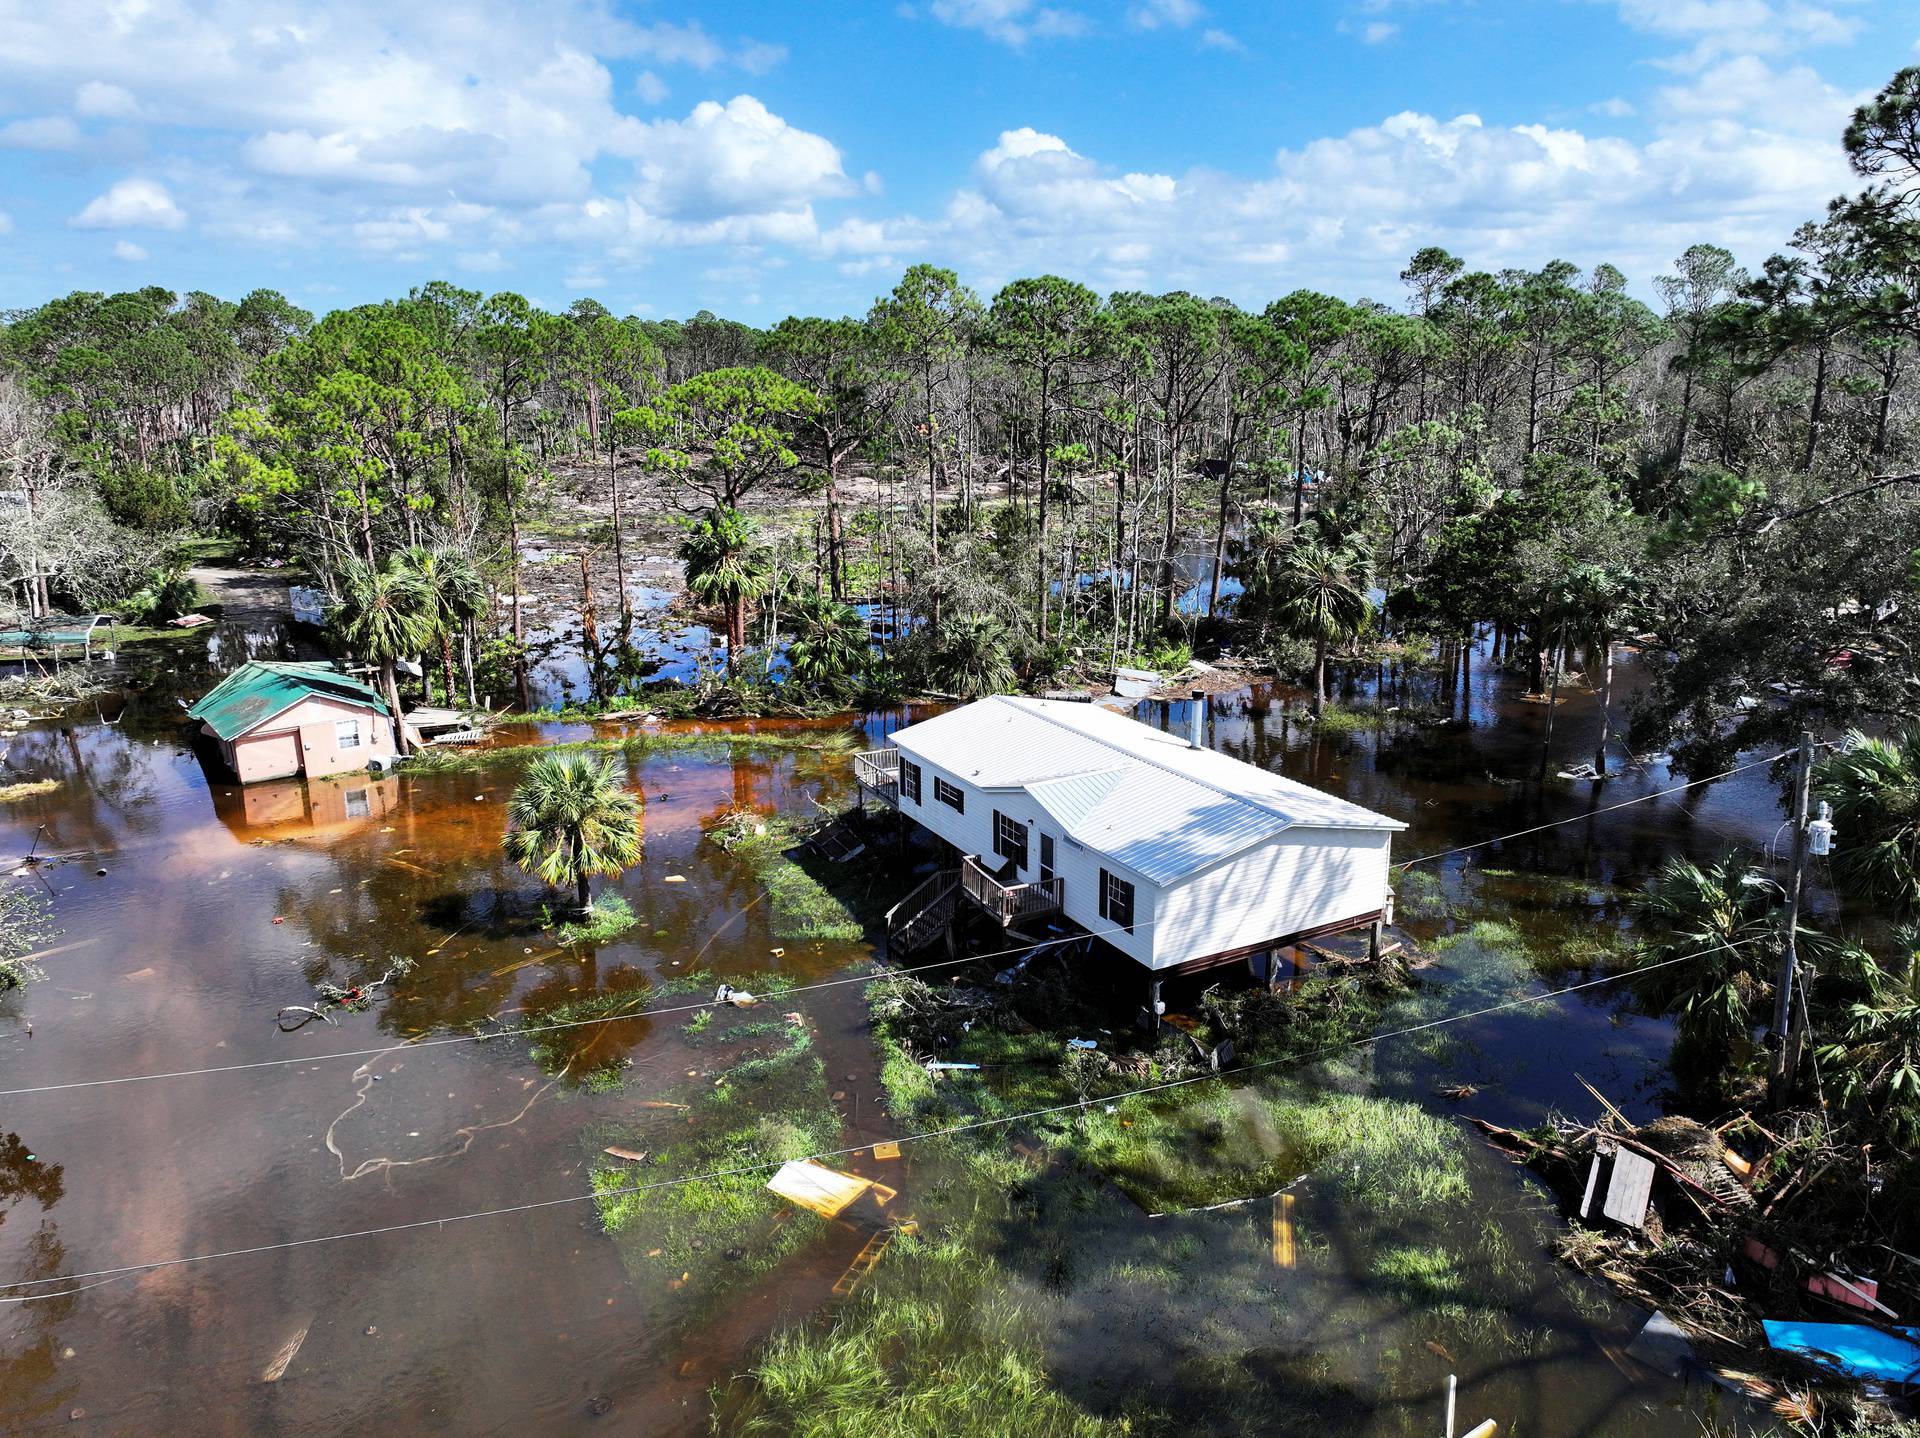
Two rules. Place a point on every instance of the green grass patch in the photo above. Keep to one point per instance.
(800, 905)
(1339, 719)
(611, 917)
(1421, 1276)
(932, 1348)
(1421, 896)
(1206, 1141)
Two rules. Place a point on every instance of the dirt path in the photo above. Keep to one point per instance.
(244, 594)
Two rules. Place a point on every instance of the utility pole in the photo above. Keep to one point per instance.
(1780, 1080)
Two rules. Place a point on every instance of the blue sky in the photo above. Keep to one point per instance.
(761, 159)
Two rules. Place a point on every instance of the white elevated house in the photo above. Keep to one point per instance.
(1180, 857)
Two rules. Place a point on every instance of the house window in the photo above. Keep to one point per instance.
(346, 734)
(357, 805)
(949, 795)
(1046, 857)
(1010, 839)
(1116, 900)
(910, 780)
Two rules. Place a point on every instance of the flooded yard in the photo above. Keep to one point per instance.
(323, 1160)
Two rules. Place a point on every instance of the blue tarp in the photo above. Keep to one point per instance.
(1852, 1348)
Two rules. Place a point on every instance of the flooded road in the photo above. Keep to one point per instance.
(220, 905)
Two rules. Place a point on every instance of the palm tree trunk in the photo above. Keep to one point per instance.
(390, 685)
(1319, 676)
(581, 892)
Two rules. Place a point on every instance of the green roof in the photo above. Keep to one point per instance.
(261, 689)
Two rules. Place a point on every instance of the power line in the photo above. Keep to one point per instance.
(414, 1045)
(103, 1275)
(1592, 813)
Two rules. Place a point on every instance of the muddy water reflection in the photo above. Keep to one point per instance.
(218, 907)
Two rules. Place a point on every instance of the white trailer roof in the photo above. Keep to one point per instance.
(1145, 798)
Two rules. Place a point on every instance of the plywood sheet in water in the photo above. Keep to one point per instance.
(817, 1188)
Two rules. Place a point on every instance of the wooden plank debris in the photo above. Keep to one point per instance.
(1629, 1189)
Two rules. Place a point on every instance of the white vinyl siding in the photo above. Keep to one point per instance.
(1077, 867)
(1300, 880)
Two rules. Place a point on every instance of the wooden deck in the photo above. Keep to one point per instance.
(1010, 902)
(878, 774)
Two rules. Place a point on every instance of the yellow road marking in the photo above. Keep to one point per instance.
(1283, 1252)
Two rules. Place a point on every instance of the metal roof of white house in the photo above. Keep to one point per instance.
(1144, 798)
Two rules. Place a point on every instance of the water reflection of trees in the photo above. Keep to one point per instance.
(29, 1366)
(106, 781)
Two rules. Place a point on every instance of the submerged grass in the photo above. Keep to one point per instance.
(768, 1105)
(938, 1341)
(800, 906)
(933, 1348)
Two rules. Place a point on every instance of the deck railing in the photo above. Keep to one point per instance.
(1008, 902)
(878, 773)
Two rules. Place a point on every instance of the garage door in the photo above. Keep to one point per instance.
(271, 756)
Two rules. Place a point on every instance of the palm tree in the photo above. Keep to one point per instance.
(1876, 1067)
(383, 616)
(569, 819)
(1319, 592)
(455, 595)
(830, 642)
(970, 656)
(726, 566)
(1719, 938)
(1257, 557)
(1874, 787)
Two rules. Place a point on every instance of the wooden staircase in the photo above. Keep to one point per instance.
(924, 915)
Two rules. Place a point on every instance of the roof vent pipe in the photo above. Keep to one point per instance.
(1196, 718)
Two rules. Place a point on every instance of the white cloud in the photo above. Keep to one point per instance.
(495, 101)
(1614, 108)
(100, 100)
(1716, 29)
(6, 222)
(49, 132)
(134, 204)
(1214, 38)
(1175, 14)
(650, 87)
(1343, 212)
(1378, 32)
(127, 250)
(734, 159)
(1012, 22)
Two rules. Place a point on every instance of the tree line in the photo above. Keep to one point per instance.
(1048, 481)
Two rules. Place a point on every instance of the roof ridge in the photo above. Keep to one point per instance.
(1154, 762)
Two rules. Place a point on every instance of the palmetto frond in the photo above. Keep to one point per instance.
(384, 614)
(1874, 787)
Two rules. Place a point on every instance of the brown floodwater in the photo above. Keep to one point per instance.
(220, 905)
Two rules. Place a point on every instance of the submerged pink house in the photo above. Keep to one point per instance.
(276, 720)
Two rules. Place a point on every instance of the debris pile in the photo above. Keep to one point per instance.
(1745, 1239)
